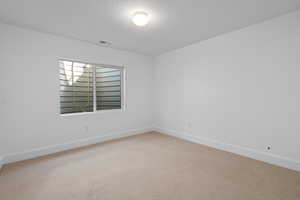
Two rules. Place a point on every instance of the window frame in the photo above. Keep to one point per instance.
(122, 82)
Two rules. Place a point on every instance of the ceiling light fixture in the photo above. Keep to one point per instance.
(140, 18)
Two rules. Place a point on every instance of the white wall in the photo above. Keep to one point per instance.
(29, 98)
(239, 91)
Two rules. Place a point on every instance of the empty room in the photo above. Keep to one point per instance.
(150, 100)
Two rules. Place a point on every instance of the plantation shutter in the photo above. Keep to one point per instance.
(108, 88)
(89, 87)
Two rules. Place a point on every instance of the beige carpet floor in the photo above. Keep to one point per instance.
(150, 166)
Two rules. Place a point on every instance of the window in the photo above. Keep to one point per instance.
(89, 87)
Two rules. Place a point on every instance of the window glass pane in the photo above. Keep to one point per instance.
(76, 87)
(108, 88)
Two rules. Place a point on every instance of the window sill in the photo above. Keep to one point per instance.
(92, 113)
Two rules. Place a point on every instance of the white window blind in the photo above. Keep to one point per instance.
(89, 87)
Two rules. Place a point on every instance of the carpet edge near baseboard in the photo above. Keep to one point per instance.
(236, 149)
(30, 154)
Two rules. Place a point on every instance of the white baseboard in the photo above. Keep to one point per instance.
(1, 163)
(10, 158)
(251, 153)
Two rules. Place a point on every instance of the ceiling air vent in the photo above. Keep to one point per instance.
(104, 43)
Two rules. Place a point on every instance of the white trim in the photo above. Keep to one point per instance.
(91, 63)
(1, 163)
(251, 153)
(94, 65)
(94, 90)
(14, 157)
(91, 113)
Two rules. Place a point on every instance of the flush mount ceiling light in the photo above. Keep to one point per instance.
(140, 18)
